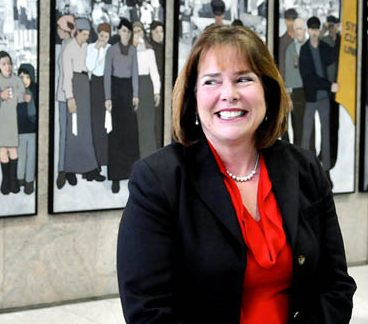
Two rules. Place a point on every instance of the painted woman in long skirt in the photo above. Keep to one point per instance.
(149, 90)
(12, 92)
(121, 91)
(80, 155)
(95, 61)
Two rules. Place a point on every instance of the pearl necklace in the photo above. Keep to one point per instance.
(246, 177)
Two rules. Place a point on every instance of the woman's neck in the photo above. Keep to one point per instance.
(239, 158)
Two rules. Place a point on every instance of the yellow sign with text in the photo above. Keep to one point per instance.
(346, 75)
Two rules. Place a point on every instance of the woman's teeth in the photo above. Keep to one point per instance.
(231, 114)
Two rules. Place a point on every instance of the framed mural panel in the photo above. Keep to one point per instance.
(107, 73)
(316, 50)
(363, 165)
(19, 30)
(193, 16)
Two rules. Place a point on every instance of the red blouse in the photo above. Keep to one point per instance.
(269, 261)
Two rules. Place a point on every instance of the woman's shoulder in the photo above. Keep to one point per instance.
(285, 160)
(165, 158)
(285, 150)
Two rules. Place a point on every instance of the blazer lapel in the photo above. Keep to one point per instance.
(283, 173)
(209, 184)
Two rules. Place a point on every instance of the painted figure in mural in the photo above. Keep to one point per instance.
(285, 39)
(27, 127)
(218, 10)
(121, 94)
(80, 155)
(315, 56)
(157, 32)
(12, 92)
(146, 14)
(293, 79)
(149, 90)
(65, 28)
(95, 62)
(333, 38)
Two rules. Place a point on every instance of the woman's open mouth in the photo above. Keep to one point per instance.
(230, 114)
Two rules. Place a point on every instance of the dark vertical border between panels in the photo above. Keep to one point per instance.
(52, 107)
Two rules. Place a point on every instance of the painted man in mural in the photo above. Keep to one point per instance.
(330, 34)
(315, 56)
(287, 38)
(65, 28)
(293, 79)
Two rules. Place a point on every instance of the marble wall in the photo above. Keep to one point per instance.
(48, 259)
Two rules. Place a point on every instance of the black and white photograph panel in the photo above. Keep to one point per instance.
(108, 98)
(315, 47)
(18, 106)
(193, 16)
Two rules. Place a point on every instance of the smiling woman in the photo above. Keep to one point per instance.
(229, 213)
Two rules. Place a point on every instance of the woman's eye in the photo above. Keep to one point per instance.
(245, 79)
(210, 82)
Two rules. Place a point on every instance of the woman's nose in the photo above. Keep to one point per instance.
(229, 92)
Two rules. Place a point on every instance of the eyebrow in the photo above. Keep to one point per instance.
(216, 74)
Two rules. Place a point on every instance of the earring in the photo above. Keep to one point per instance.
(266, 118)
(196, 120)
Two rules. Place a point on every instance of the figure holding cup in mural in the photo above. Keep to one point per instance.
(12, 92)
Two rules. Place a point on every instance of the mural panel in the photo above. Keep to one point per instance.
(18, 106)
(316, 53)
(108, 59)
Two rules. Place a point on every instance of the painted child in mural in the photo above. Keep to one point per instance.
(27, 127)
(12, 92)
(80, 155)
(121, 94)
(149, 90)
(95, 62)
(65, 28)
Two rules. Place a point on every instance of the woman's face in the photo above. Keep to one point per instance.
(6, 67)
(230, 97)
(137, 35)
(124, 34)
(26, 79)
(103, 37)
(158, 34)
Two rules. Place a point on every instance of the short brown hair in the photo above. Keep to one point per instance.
(255, 52)
(104, 27)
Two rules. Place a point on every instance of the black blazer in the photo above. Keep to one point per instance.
(311, 80)
(181, 257)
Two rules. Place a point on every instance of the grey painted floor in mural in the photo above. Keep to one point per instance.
(89, 195)
(17, 204)
(108, 311)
